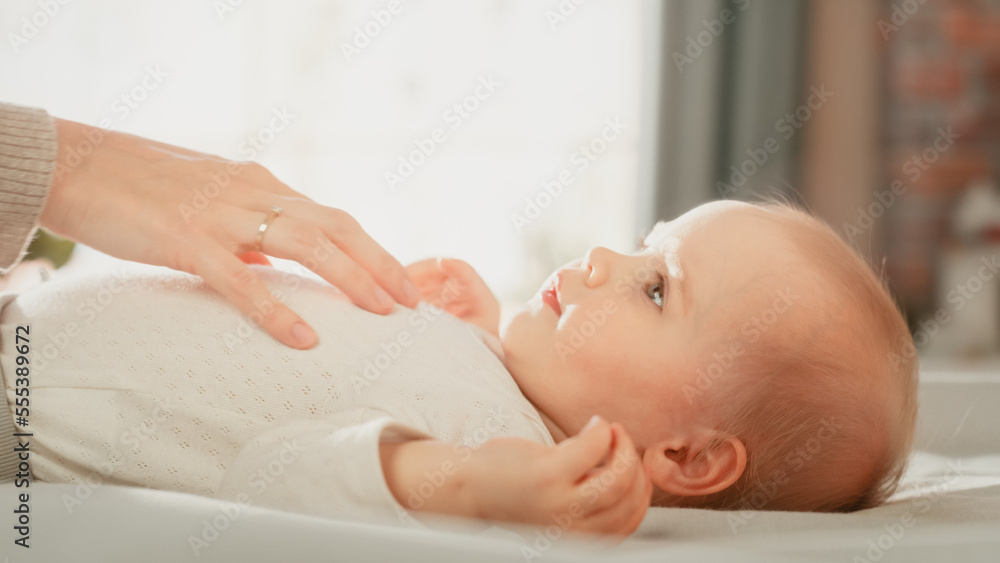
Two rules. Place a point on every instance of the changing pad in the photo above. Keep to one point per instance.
(947, 508)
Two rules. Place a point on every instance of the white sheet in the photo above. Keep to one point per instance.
(948, 509)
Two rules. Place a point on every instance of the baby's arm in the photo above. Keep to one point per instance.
(454, 286)
(516, 480)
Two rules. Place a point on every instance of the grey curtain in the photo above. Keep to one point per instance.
(722, 78)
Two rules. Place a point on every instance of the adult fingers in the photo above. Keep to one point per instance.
(286, 238)
(329, 242)
(262, 178)
(292, 235)
(254, 257)
(241, 286)
(340, 230)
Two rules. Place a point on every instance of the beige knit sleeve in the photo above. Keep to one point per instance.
(28, 152)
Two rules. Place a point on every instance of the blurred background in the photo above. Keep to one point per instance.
(517, 134)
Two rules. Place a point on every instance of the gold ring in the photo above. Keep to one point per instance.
(275, 211)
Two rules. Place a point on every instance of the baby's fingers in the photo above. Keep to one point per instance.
(467, 276)
(428, 277)
(576, 456)
(426, 269)
(616, 479)
(625, 516)
(460, 269)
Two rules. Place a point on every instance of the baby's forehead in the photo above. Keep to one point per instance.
(734, 257)
(656, 234)
(729, 221)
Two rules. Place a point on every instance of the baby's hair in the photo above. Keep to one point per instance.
(825, 405)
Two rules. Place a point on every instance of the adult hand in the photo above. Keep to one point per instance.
(456, 287)
(135, 199)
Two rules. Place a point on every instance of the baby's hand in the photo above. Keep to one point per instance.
(522, 481)
(454, 285)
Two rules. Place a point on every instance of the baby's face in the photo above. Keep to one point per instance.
(620, 343)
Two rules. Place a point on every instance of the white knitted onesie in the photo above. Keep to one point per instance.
(149, 377)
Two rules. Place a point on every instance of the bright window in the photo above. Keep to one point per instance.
(501, 94)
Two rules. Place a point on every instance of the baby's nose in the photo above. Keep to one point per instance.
(598, 255)
(598, 262)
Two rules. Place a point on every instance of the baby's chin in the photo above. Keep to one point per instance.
(520, 331)
(515, 337)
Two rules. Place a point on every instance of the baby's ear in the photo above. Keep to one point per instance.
(696, 465)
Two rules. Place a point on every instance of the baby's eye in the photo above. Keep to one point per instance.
(655, 291)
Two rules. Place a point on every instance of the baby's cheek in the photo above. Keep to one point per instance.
(592, 346)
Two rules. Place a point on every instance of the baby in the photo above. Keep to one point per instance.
(746, 359)
(754, 359)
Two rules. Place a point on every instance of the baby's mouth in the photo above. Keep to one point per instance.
(550, 296)
(550, 299)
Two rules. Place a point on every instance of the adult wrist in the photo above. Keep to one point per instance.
(27, 161)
